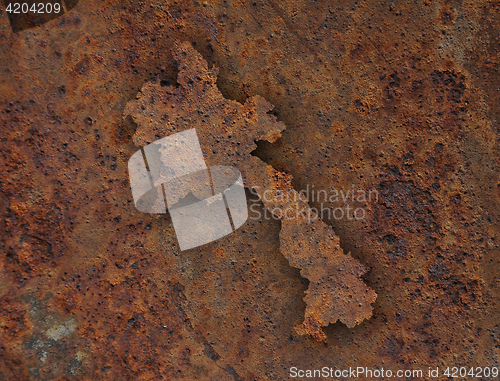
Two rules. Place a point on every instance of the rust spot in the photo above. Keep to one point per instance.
(447, 15)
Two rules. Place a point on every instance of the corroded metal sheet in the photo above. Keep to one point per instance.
(394, 97)
(335, 292)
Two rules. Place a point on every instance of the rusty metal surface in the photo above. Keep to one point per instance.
(229, 131)
(400, 97)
